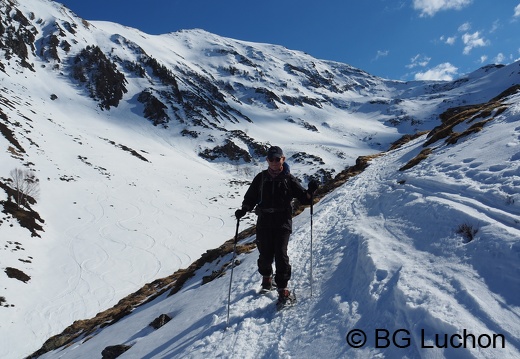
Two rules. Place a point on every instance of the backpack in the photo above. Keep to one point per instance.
(286, 171)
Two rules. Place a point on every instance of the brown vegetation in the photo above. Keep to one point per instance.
(26, 217)
(459, 115)
(414, 161)
(17, 274)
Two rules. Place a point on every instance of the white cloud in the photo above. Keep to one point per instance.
(419, 60)
(465, 27)
(483, 59)
(473, 40)
(431, 7)
(495, 26)
(499, 59)
(380, 54)
(517, 11)
(444, 72)
(450, 40)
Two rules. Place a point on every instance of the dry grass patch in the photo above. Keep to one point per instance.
(405, 139)
(417, 159)
(458, 115)
(477, 127)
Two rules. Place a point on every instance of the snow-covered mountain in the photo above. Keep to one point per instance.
(143, 146)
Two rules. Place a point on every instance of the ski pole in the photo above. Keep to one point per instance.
(312, 211)
(232, 267)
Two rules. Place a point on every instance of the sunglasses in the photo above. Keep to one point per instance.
(273, 159)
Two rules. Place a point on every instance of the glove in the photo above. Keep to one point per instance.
(313, 186)
(239, 213)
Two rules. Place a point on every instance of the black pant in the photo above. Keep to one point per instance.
(272, 245)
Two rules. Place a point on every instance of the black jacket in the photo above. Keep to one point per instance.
(273, 199)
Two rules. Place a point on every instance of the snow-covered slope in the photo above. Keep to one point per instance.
(389, 263)
(141, 176)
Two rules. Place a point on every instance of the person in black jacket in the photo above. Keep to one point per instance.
(270, 195)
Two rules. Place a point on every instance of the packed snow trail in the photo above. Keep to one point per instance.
(387, 259)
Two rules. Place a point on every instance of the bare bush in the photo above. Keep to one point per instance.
(25, 184)
(467, 232)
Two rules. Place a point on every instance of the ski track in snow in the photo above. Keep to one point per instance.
(120, 237)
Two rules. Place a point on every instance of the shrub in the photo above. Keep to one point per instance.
(17, 274)
(467, 232)
(100, 75)
(26, 186)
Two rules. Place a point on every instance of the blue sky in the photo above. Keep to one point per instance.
(395, 39)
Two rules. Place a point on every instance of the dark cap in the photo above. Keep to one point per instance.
(275, 152)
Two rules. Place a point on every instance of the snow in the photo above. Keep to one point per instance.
(386, 254)
(386, 260)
